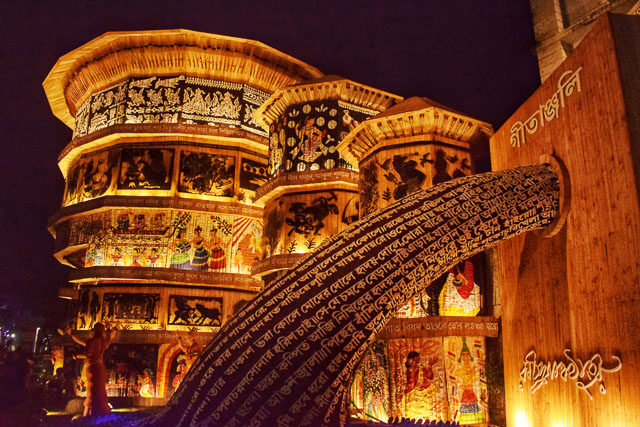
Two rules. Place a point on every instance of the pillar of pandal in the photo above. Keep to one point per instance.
(412, 146)
(311, 192)
(158, 214)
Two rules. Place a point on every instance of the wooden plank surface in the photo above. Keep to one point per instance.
(578, 290)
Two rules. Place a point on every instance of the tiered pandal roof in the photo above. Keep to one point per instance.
(115, 56)
(414, 119)
(328, 87)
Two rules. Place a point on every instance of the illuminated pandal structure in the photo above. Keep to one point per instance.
(158, 214)
(414, 369)
(311, 193)
(569, 293)
(287, 357)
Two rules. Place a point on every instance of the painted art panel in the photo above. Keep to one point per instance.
(448, 164)
(178, 99)
(139, 222)
(90, 177)
(89, 228)
(145, 169)
(418, 384)
(466, 379)
(253, 174)
(130, 370)
(177, 372)
(246, 244)
(273, 237)
(306, 137)
(394, 173)
(460, 294)
(368, 187)
(402, 174)
(89, 306)
(207, 173)
(130, 308)
(299, 223)
(202, 242)
(277, 144)
(252, 99)
(195, 311)
(185, 240)
(417, 306)
(102, 109)
(308, 219)
(369, 394)
(207, 101)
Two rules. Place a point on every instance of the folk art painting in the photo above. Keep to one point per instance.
(124, 171)
(387, 177)
(440, 378)
(172, 99)
(195, 311)
(296, 226)
(466, 379)
(456, 293)
(130, 308)
(170, 239)
(206, 173)
(90, 177)
(89, 306)
(306, 136)
(369, 396)
(145, 169)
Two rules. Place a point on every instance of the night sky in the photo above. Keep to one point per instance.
(475, 56)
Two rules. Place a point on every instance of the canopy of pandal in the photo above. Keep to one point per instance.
(287, 357)
(115, 56)
(415, 119)
(328, 87)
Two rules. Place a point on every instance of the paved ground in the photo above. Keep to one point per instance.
(60, 419)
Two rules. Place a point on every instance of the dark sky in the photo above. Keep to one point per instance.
(475, 56)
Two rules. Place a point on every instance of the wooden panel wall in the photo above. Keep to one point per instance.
(299, 222)
(390, 173)
(579, 289)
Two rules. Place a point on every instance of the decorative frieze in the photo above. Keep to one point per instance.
(184, 277)
(177, 99)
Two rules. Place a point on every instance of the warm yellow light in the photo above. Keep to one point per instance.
(522, 420)
(560, 424)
